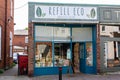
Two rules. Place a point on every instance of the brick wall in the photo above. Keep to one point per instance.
(30, 50)
(2, 24)
(98, 48)
(9, 28)
(19, 40)
(6, 61)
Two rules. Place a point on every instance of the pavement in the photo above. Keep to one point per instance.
(11, 74)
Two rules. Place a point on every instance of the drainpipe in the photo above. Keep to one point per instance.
(5, 36)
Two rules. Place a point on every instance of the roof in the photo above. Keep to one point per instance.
(21, 32)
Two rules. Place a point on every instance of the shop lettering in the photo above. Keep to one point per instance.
(117, 13)
(63, 11)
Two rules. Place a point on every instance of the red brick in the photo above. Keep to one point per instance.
(9, 27)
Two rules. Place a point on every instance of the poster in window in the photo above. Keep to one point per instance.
(68, 54)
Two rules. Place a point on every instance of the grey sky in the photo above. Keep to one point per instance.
(21, 8)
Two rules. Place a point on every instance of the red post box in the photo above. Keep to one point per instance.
(22, 64)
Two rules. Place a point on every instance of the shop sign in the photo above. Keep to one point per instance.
(109, 15)
(65, 12)
(18, 50)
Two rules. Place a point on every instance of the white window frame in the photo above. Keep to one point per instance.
(11, 43)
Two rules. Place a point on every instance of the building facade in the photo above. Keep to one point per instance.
(20, 44)
(69, 35)
(6, 32)
(56, 38)
(109, 38)
(111, 47)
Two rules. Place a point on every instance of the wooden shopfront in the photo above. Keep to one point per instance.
(62, 34)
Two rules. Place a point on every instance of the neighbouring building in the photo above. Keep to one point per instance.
(110, 47)
(72, 36)
(20, 42)
(6, 33)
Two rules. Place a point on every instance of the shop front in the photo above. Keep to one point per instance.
(56, 48)
(110, 39)
(62, 35)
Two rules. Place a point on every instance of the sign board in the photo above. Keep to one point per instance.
(65, 12)
(61, 12)
(109, 14)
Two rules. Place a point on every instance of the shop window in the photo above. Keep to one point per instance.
(49, 33)
(61, 34)
(43, 33)
(0, 42)
(63, 31)
(62, 54)
(43, 56)
(89, 54)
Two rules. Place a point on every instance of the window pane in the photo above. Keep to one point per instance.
(43, 56)
(89, 52)
(11, 43)
(82, 34)
(61, 34)
(26, 39)
(49, 33)
(103, 28)
(43, 33)
(62, 54)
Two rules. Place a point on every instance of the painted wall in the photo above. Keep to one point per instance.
(109, 30)
(110, 50)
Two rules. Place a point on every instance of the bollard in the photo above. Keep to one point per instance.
(60, 73)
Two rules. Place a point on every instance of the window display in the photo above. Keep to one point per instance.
(62, 54)
(43, 56)
(89, 52)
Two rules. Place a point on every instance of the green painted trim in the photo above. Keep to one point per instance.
(71, 4)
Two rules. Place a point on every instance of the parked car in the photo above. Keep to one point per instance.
(15, 58)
